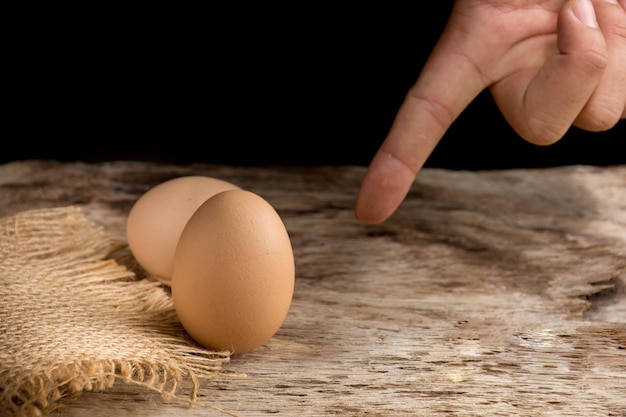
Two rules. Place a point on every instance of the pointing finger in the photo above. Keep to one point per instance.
(448, 83)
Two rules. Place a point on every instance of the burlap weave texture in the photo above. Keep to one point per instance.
(74, 319)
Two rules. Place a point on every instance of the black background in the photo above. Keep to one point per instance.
(301, 88)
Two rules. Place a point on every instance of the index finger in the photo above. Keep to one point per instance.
(447, 84)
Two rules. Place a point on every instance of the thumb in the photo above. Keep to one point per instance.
(541, 104)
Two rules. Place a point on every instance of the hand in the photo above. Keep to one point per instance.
(549, 64)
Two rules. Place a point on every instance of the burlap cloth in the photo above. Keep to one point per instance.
(73, 318)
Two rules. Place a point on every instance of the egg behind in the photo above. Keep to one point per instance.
(158, 217)
(233, 272)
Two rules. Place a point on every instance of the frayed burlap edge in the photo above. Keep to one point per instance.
(72, 319)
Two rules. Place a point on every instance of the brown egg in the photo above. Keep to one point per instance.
(158, 217)
(234, 272)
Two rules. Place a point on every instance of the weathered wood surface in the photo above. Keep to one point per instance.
(495, 293)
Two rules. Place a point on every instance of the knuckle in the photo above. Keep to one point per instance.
(543, 132)
(439, 112)
(593, 62)
(598, 118)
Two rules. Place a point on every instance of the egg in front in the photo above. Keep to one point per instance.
(233, 272)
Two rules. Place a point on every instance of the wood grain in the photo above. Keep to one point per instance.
(495, 293)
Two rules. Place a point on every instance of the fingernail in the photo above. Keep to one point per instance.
(583, 10)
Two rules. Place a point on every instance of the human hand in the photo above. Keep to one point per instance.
(549, 64)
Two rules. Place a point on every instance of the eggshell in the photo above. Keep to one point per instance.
(158, 217)
(234, 272)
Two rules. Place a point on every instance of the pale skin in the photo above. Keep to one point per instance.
(549, 65)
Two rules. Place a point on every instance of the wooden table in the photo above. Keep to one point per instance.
(497, 293)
